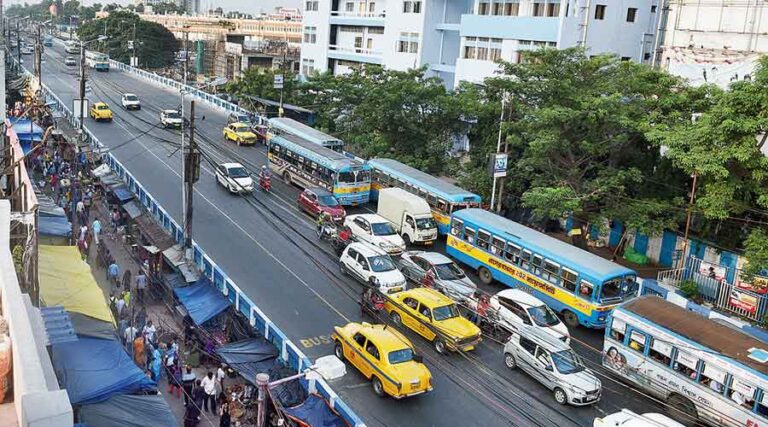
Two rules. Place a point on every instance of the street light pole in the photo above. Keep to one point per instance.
(498, 147)
(82, 86)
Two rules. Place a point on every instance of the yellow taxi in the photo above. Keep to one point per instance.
(240, 133)
(384, 356)
(433, 316)
(100, 111)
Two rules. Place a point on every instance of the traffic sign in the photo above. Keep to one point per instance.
(278, 81)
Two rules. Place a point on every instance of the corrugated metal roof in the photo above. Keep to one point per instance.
(58, 325)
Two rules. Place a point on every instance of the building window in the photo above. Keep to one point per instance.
(538, 9)
(307, 66)
(511, 8)
(483, 8)
(646, 56)
(310, 35)
(311, 5)
(375, 30)
(469, 47)
(411, 6)
(369, 44)
(351, 29)
(408, 43)
(371, 7)
(495, 51)
(626, 58)
(599, 12)
(482, 48)
(631, 14)
(653, 9)
(349, 7)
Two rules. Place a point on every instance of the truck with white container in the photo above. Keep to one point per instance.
(410, 215)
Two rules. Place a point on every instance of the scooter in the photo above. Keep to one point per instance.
(265, 182)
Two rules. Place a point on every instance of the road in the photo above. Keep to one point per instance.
(269, 249)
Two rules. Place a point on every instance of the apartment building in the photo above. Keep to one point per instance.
(716, 41)
(462, 40)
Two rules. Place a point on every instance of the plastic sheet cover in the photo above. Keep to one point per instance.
(129, 411)
(314, 412)
(249, 357)
(57, 226)
(202, 300)
(93, 370)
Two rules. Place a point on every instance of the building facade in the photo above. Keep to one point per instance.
(717, 41)
(462, 40)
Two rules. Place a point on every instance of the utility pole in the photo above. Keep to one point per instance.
(133, 48)
(262, 382)
(498, 149)
(184, 165)
(18, 43)
(38, 57)
(191, 175)
(688, 217)
(82, 87)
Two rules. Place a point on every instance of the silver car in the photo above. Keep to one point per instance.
(435, 270)
(554, 364)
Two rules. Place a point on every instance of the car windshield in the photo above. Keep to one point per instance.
(449, 271)
(327, 200)
(400, 356)
(352, 177)
(174, 115)
(383, 229)
(445, 312)
(131, 98)
(381, 263)
(543, 315)
(242, 118)
(238, 172)
(567, 362)
(102, 107)
(241, 128)
(425, 223)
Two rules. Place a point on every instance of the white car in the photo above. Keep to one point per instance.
(27, 50)
(516, 308)
(627, 418)
(171, 119)
(234, 177)
(435, 270)
(130, 101)
(377, 231)
(70, 61)
(372, 265)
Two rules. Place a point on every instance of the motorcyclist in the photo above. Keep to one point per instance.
(322, 221)
(264, 173)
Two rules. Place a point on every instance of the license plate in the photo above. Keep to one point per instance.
(393, 290)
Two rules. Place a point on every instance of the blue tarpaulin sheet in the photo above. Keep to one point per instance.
(202, 300)
(54, 226)
(122, 193)
(249, 357)
(93, 370)
(315, 413)
(129, 411)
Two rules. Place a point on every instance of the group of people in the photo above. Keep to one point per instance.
(203, 394)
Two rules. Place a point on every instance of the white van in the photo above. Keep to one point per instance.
(409, 214)
(627, 418)
(554, 364)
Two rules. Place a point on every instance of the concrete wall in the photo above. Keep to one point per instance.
(37, 398)
(320, 19)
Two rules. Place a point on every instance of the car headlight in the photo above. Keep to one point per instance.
(375, 280)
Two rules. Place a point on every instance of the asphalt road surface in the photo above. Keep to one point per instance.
(269, 248)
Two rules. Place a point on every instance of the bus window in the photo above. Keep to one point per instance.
(742, 393)
(568, 279)
(422, 193)
(469, 235)
(617, 289)
(618, 329)
(497, 246)
(762, 405)
(660, 351)
(713, 378)
(685, 365)
(431, 200)
(442, 205)
(525, 260)
(586, 289)
(346, 178)
(512, 254)
(537, 262)
(363, 176)
(376, 176)
(456, 227)
(483, 239)
(637, 341)
(551, 271)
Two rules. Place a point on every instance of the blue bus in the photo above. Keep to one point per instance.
(582, 286)
(444, 198)
(310, 165)
(283, 125)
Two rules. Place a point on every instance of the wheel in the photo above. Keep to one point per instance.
(560, 396)
(232, 189)
(396, 319)
(682, 410)
(439, 345)
(407, 240)
(378, 388)
(342, 270)
(485, 275)
(239, 141)
(570, 319)
(509, 361)
(338, 350)
(287, 178)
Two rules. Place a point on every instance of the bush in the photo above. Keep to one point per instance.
(690, 289)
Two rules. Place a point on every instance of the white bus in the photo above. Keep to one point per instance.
(705, 371)
(97, 60)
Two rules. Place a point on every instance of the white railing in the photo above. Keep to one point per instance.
(357, 50)
(345, 14)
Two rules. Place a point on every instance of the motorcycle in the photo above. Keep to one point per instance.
(265, 182)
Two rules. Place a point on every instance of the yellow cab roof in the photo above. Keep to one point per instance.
(427, 296)
(240, 125)
(98, 104)
(384, 335)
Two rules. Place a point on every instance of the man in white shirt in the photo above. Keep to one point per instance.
(120, 305)
(149, 331)
(130, 334)
(209, 388)
(220, 375)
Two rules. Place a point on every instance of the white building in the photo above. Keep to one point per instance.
(716, 41)
(460, 40)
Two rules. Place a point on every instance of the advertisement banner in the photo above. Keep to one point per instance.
(742, 300)
(754, 284)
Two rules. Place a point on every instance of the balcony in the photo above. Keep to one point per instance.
(537, 28)
(345, 53)
(364, 19)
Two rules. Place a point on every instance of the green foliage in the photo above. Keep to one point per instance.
(259, 82)
(168, 8)
(689, 289)
(155, 46)
(756, 252)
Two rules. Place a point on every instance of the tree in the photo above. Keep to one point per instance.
(259, 82)
(576, 128)
(155, 45)
(756, 252)
(166, 8)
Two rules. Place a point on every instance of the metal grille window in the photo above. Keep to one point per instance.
(631, 14)
(375, 30)
(495, 50)
(484, 8)
(482, 48)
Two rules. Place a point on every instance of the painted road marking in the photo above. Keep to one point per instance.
(316, 341)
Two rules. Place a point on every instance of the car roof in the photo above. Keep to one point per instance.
(239, 124)
(542, 338)
(232, 165)
(383, 334)
(129, 94)
(428, 296)
(434, 258)
(366, 249)
(99, 103)
(372, 218)
(519, 296)
(170, 111)
(320, 191)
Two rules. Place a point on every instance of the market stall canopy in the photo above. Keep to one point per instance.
(202, 300)
(156, 235)
(315, 412)
(133, 209)
(110, 179)
(249, 357)
(122, 193)
(129, 411)
(65, 279)
(101, 171)
(86, 326)
(57, 226)
(93, 370)
(175, 257)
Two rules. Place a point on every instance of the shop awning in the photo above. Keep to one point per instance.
(110, 179)
(57, 226)
(101, 171)
(122, 193)
(66, 280)
(92, 370)
(133, 209)
(129, 411)
(156, 235)
(249, 357)
(202, 300)
(316, 412)
(86, 326)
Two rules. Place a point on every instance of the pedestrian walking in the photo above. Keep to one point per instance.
(115, 217)
(149, 331)
(130, 334)
(80, 209)
(192, 414)
(139, 355)
(209, 387)
(225, 420)
(220, 375)
(113, 274)
(141, 285)
(174, 378)
(188, 383)
(119, 306)
(96, 227)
